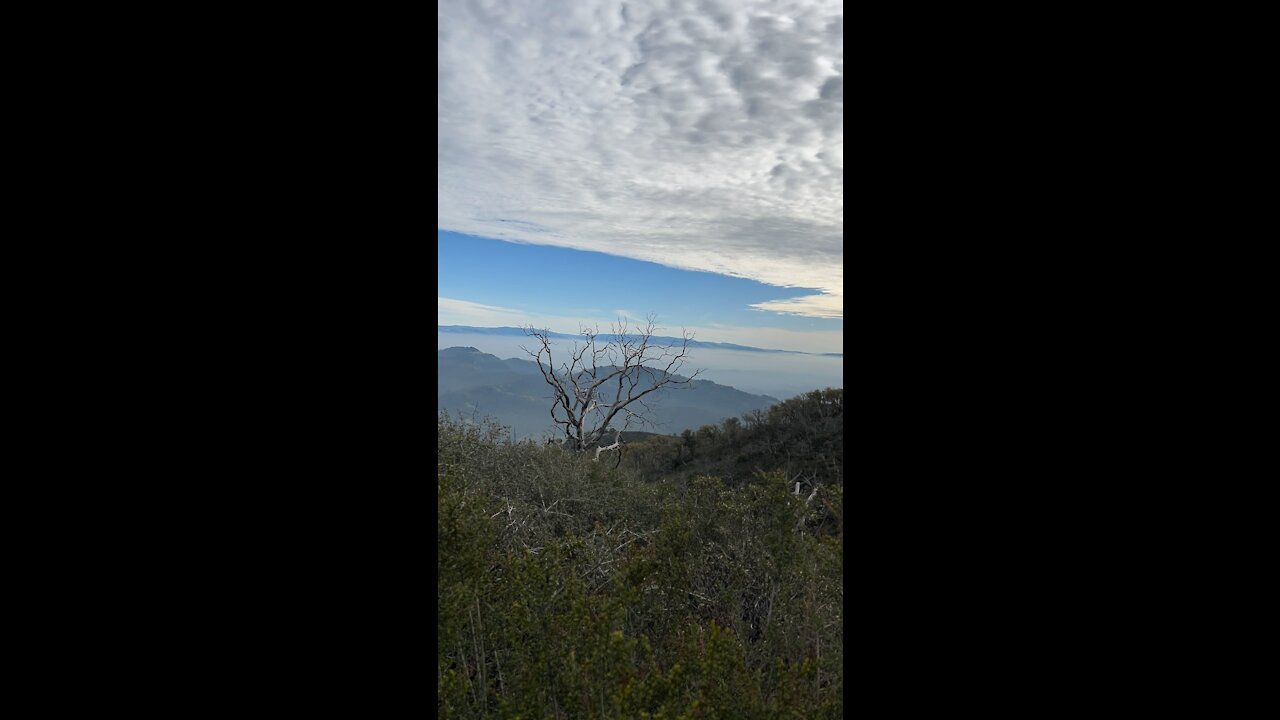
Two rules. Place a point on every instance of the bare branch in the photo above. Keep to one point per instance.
(617, 443)
(629, 362)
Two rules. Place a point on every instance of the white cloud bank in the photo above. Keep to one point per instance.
(705, 135)
(452, 311)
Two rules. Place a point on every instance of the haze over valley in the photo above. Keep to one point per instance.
(777, 374)
(514, 393)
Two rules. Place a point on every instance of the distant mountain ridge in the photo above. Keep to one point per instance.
(513, 392)
(656, 338)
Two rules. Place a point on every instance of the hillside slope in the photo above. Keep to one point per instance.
(513, 392)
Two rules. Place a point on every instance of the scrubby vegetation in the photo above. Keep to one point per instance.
(803, 437)
(697, 585)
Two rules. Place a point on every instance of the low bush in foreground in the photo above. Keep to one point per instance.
(571, 589)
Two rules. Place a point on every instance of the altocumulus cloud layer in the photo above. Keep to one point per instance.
(702, 134)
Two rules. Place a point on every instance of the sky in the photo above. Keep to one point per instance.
(603, 159)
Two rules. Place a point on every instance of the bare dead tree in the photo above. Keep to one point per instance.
(606, 376)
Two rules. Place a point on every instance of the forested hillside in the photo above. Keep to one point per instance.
(803, 437)
(684, 578)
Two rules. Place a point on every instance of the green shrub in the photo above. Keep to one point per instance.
(572, 589)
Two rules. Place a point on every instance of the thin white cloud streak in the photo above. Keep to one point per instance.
(452, 311)
(809, 305)
(704, 135)
(464, 312)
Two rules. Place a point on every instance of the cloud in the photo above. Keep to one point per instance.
(808, 305)
(464, 312)
(702, 135)
(452, 311)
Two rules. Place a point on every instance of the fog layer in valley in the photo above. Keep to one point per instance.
(780, 375)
